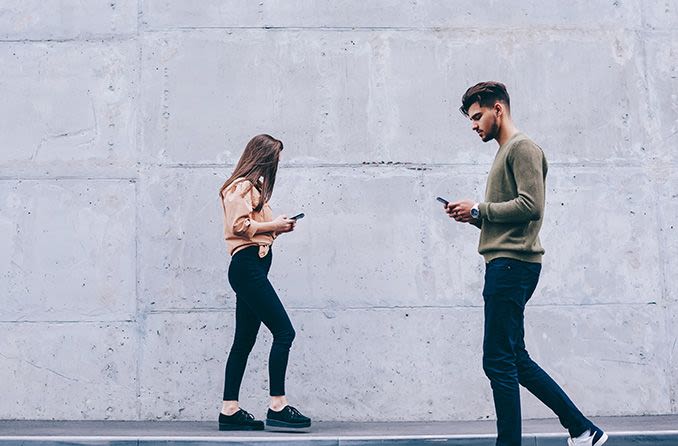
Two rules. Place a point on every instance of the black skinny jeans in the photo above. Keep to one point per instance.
(509, 284)
(256, 302)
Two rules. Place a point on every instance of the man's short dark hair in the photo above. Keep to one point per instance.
(486, 94)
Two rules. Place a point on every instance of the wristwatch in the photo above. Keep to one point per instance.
(475, 211)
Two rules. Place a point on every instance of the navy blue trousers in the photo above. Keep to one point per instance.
(509, 284)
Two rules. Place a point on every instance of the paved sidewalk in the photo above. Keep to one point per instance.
(637, 431)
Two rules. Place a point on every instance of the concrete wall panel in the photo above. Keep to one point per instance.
(183, 351)
(362, 242)
(368, 96)
(452, 270)
(355, 358)
(598, 350)
(66, 19)
(68, 250)
(392, 13)
(667, 209)
(672, 358)
(67, 105)
(350, 358)
(660, 15)
(183, 258)
(662, 101)
(71, 371)
(592, 232)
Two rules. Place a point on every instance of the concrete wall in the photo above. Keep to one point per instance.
(120, 119)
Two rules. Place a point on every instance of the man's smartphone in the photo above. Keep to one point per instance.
(443, 201)
(298, 216)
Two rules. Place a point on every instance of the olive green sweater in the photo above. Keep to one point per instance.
(512, 212)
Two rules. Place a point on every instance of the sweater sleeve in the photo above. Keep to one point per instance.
(238, 208)
(526, 160)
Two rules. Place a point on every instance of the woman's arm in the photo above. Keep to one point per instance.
(279, 225)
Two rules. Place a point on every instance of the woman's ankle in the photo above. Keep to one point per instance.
(229, 407)
(278, 403)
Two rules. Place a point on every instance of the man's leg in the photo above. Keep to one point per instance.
(504, 306)
(538, 382)
(541, 385)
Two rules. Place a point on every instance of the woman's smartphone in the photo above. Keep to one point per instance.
(298, 216)
(443, 201)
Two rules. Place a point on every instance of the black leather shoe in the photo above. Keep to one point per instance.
(239, 421)
(288, 419)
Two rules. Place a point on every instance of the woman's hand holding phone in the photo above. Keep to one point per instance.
(283, 224)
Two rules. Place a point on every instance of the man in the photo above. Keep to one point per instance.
(509, 220)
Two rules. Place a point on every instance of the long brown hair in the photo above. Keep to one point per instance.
(259, 160)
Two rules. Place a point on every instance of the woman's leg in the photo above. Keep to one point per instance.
(246, 328)
(262, 300)
(260, 297)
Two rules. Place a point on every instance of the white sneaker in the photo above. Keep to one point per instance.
(598, 438)
(585, 439)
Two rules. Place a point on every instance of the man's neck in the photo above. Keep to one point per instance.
(506, 132)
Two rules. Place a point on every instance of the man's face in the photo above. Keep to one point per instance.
(484, 121)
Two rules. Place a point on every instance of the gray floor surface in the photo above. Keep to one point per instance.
(646, 430)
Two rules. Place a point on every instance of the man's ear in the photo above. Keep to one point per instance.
(498, 109)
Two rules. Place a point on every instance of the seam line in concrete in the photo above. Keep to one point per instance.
(394, 307)
(589, 165)
(104, 38)
(137, 297)
(67, 178)
(219, 309)
(593, 31)
(137, 214)
(83, 321)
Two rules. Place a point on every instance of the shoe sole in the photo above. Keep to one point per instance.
(281, 426)
(236, 427)
(601, 440)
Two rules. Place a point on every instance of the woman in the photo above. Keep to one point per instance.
(249, 229)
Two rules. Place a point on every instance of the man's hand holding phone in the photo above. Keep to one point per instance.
(459, 210)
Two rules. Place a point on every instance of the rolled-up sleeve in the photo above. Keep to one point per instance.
(238, 210)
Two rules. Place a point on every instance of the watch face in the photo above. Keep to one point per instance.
(475, 213)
